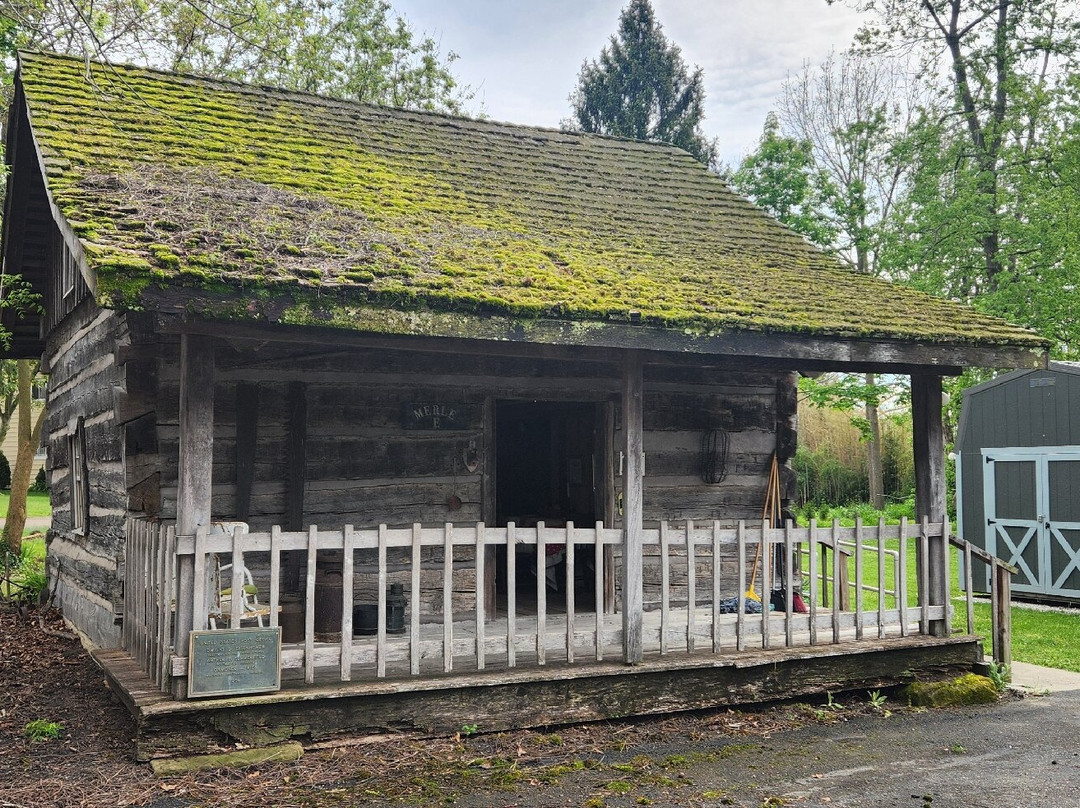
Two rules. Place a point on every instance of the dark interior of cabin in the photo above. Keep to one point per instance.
(545, 472)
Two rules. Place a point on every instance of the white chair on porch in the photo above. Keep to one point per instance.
(220, 588)
(251, 609)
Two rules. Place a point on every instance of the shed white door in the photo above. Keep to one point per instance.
(1032, 500)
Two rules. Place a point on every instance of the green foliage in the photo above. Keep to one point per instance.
(41, 482)
(23, 579)
(640, 88)
(356, 49)
(5, 473)
(990, 213)
(1000, 675)
(846, 391)
(892, 513)
(782, 177)
(831, 461)
(42, 730)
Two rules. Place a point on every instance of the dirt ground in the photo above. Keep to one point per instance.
(45, 675)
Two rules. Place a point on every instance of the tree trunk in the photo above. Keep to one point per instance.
(874, 471)
(29, 434)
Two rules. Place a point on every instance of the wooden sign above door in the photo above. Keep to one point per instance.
(439, 416)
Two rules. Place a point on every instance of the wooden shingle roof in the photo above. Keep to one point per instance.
(250, 203)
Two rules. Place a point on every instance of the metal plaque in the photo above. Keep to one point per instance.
(230, 662)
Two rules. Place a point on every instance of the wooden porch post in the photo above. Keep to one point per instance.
(929, 455)
(195, 469)
(633, 479)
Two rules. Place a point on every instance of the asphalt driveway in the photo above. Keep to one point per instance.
(1023, 753)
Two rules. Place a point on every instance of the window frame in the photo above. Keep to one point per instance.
(78, 478)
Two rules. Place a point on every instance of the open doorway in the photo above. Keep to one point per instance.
(545, 472)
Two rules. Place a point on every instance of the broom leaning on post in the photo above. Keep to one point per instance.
(770, 517)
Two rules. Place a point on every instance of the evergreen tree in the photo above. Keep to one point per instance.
(640, 88)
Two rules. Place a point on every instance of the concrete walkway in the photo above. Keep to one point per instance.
(1036, 679)
(34, 523)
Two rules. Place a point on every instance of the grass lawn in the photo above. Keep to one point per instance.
(1044, 638)
(37, 504)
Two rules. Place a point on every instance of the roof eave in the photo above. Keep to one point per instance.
(794, 350)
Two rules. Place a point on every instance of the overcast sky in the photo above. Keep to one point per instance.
(523, 56)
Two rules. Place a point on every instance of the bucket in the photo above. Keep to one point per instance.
(366, 615)
(291, 619)
(328, 603)
(365, 619)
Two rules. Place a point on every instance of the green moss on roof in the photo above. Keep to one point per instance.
(175, 182)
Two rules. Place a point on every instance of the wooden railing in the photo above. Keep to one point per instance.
(698, 597)
(860, 590)
(1000, 599)
(150, 596)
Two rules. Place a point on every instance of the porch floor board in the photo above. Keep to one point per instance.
(143, 697)
(464, 636)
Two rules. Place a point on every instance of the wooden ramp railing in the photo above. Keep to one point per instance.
(1000, 598)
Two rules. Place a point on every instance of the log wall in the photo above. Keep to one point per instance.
(86, 566)
(310, 434)
(359, 465)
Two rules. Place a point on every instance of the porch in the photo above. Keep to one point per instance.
(704, 640)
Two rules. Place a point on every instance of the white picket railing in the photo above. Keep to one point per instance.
(698, 599)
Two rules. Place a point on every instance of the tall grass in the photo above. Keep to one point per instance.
(831, 461)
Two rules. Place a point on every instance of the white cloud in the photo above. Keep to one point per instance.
(523, 57)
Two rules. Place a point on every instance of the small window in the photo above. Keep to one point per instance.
(80, 486)
(68, 270)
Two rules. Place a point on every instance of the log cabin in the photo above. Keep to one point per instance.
(483, 420)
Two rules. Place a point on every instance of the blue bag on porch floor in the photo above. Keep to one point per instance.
(731, 606)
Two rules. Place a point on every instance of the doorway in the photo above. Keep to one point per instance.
(546, 471)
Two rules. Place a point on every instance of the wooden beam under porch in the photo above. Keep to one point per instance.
(524, 697)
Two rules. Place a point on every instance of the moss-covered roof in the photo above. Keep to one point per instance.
(256, 203)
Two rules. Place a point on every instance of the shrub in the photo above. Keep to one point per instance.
(5, 473)
(41, 482)
(41, 730)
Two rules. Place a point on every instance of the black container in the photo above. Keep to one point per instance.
(328, 603)
(366, 615)
(291, 619)
(395, 609)
(365, 618)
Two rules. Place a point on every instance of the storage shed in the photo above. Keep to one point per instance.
(1018, 477)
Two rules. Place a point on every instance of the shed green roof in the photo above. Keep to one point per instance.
(256, 203)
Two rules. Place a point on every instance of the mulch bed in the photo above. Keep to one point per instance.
(46, 675)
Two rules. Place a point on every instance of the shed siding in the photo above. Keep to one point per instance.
(1020, 410)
